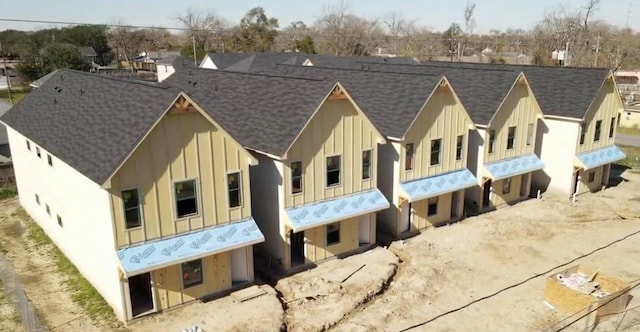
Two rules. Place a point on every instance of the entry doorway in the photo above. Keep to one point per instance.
(239, 266)
(140, 294)
(486, 194)
(364, 229)
(405, 217)
(524, 183)
(297, 248)
(576, 181)
(455, 204)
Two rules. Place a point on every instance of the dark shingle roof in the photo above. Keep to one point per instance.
(263, 113)
(260, 62)
(560, 91)
(223, 60)
(90, 122)
(87, 51)
(326, 60)
(4, 107)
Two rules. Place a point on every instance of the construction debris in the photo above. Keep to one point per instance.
(582, 283)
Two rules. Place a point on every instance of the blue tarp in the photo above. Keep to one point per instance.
(184, 247)
(507, 168)
(599, 157)
(439, 184)
(335, 209)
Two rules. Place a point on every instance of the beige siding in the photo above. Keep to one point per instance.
(596, 184)
(316, 246)
(181, 146)
(605, 106)
(519, 109)
(420, 220)
(336, 129)
(168, 282)
(442, 117)
(498, 198)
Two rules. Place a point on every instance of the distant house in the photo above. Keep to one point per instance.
(148, 60)
(631, 117)
(88, 52)
(6, 166)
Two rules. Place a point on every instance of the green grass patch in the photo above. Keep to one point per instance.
(628, 131)
(82, 292)
(633, 156)
(7, 192)
(16, 94)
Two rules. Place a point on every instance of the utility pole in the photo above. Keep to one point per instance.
(6, 72)
(595, 62)
(565, 62)
(195, 59)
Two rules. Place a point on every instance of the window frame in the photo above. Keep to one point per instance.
(175, 198)
(368, 166)
(49, 160)
(432, 201)
(28, 145)
(511, 139)
(492, 141)
(139, 207)
(300, 178)
(59, 219)
(38, 153)
(326, 171)
(37, 199)
(238, 189)
(612, 127)
(327, 231)
(439, 151)
(201, 272)
(47, 208)
(597, 132)
(506, 186)
(409, 157)
(583, 133)
(459, 147)
(592, 177)
(530, 135)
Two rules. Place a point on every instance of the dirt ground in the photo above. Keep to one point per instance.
(436, 281)
(9, 320)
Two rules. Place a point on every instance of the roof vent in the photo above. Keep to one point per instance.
(58, 89)
(61, 77)
(215, 88)
(55, 101)
(81, 92)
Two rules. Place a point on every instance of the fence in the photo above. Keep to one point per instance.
(14, 293)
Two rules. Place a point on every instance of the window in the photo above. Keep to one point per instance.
(235, 193)
(583, 132)
(366, 164)
(37, 199)
(186, 199)
(192, 273)
(49, 160)
(432, 207)
(408, 157)
(131, 204)
(511, 137)
(48, 209)
(435, 151)
(596, 133)
(296, 177)
(59, 220)
(333, 233)
(592, 176)
(38, 152)
(492, 140)
(530, 134)
(28, 145)
(612, 127)
(333, 171)
(506, 186)
(459, 142)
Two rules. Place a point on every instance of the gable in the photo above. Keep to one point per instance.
(208, 63)
(606, 100)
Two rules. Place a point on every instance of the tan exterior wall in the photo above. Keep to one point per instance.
(420, 220)
(181, 146)
(498, 198)
(519, 109)
(605, 107)
(168, 281)
(316, 248)
(596, 185)
(442, 117)
(336, 129)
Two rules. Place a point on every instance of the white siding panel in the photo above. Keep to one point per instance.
(557, 153)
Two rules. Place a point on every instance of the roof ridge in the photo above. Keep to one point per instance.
(513, 65)
(257, 74)
(363, 70)
(105, 77)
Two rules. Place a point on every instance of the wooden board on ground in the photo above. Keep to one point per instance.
(572, 301)
(248, 293)
(341, 274)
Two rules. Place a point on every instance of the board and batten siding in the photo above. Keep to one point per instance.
(498, 198)
(337, 128)
(519, 109)
(420, 219)
(216, 274)
(606, 106)
(316, 240)
(180, 147)
(442, 117)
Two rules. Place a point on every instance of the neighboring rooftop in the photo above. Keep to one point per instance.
(87, 51)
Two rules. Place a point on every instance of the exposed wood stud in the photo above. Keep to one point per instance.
(337, 94)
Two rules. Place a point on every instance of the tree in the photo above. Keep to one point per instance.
(305, 45)
(205, 29)
(469, 24)
(52, 57)
(127, 41)
(346, 33)
(257, 32)
(90, 35)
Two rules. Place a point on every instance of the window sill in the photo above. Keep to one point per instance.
(334, 185)
(134, 228)
(187, 216)
(329, 245)
(239, 207)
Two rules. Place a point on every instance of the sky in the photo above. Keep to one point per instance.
(434, 14)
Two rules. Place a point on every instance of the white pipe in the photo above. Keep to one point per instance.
(573, 199)
(539, 193)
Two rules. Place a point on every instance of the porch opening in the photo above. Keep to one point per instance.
(364, 229)
(140, 294)
(524, 183)
(486, 194)
(239, 266)
(405, 217)
(297, 248)
(455, 204)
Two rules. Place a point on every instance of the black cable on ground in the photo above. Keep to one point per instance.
(519, 283)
